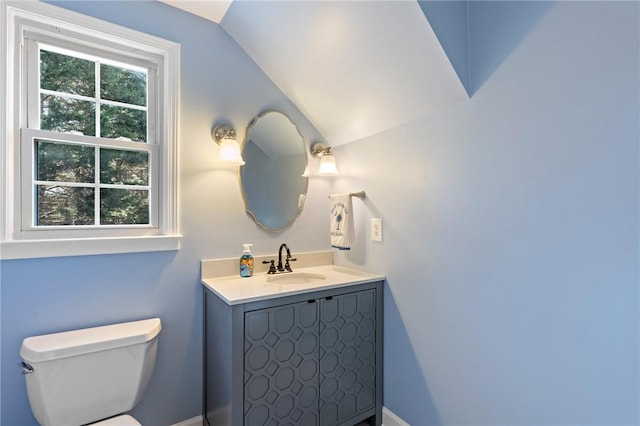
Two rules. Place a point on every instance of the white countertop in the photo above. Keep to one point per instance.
(235, 290)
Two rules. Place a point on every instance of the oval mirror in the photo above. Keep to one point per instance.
(273, 185)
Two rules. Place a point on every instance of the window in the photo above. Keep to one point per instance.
(90, 162)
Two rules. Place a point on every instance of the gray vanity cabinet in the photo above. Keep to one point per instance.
(347, 356)
(311, 359)
(281, 365)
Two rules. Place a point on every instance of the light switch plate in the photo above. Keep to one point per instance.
(376, 229)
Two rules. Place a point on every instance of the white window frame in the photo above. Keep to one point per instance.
(30, 131)
(21, 23)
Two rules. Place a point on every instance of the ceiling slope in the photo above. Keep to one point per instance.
(212, 10)
(353, 68)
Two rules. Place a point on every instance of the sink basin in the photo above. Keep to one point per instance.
(295, 278)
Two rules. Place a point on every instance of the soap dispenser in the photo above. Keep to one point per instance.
(246, 262)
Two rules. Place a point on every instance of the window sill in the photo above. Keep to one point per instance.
(32, 249)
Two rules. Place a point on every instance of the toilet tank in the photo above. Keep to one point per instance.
(82, 376)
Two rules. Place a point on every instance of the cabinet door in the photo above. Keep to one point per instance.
(281, 365)
(347, 356)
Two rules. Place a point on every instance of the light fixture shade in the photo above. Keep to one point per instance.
(229, 152)
(321, 152)
(328, 165)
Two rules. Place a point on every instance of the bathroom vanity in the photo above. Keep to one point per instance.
(299, 348)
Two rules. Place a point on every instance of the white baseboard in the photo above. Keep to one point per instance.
(194, 421)
(389, 418)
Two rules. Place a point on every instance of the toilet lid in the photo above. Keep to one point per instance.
(124, 420)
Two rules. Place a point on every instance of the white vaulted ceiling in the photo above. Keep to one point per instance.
(353, 68)
(212, 10)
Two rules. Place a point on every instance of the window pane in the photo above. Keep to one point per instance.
(118, 122)
(124, 207)
(63, 162)
(60, 114)
(67, 74)
(64, 205)
(123, 85)
(121, 167)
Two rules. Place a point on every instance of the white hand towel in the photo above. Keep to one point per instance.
(341, 221)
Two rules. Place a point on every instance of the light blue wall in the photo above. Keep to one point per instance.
(219, 82)
(449, 22)
(511, 227)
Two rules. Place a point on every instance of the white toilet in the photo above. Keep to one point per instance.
(86, 376)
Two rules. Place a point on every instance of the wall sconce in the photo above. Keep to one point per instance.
(229, 152)
(323, 153)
